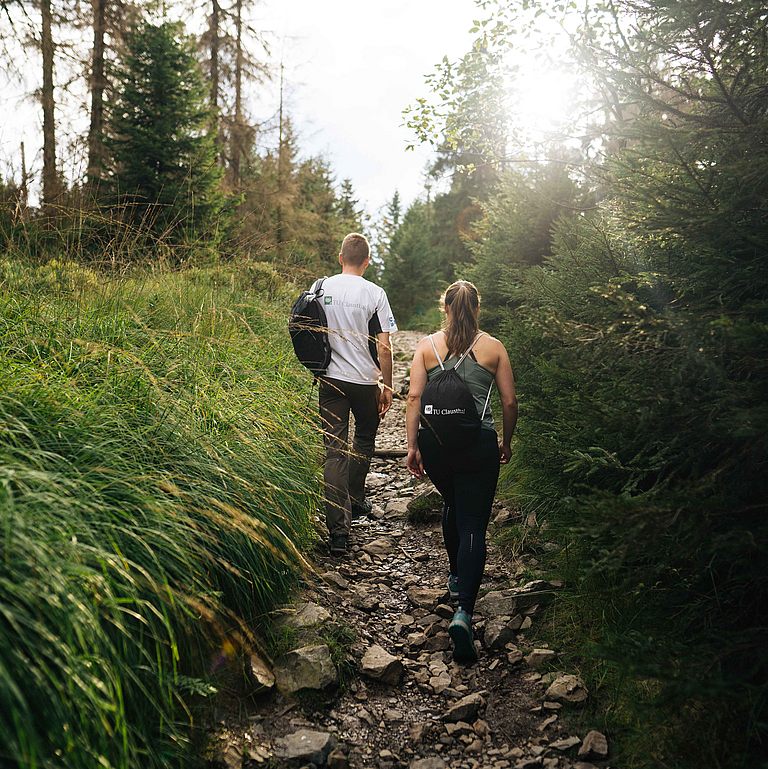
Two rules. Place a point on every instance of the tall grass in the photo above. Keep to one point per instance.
(157, 471)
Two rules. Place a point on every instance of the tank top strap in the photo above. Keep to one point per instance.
(469, 349)
(437, 354)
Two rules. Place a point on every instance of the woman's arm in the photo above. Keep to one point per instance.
(505, 382)
(413, 408)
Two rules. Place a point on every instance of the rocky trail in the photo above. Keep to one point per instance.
(367, 680)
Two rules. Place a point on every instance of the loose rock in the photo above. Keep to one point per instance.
(595, 745)
(304, 746)
(379, 664)
(567, 688)
(309, 667)
(466, 709)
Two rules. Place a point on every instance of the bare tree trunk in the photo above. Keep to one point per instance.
(50, 174)
(237, 133)
(280, 234)
(98, 83)
(214, 28)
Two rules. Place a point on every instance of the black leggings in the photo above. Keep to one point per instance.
(467, 481)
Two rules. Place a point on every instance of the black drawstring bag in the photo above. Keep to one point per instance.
(448, 407)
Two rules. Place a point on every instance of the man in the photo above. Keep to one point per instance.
(359, 324)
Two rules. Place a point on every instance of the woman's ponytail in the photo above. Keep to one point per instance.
(461, 325)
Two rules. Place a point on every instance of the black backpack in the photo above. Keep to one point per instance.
(448, 406)
(308, 328)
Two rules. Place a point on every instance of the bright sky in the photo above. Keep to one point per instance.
(351, 66)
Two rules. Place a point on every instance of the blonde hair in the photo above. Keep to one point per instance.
(460, 326)
(355, 249)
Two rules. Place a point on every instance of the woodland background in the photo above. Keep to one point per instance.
(147, 378)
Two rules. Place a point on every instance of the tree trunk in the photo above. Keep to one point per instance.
(237, 133)
(98, 83)
(50, 174)
(214, 28)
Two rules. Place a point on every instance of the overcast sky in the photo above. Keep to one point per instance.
(351, 66)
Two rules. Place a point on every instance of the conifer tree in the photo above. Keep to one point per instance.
(164, 170)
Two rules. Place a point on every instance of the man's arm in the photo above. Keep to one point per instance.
(384, 350)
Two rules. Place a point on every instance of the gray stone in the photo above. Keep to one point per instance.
(379, 547)
(497, 603)
(306, 615)
(595, 745)
(304, 746)
(337, 760)
(335, 579)
(260, 672)
(396, 507)
(417, 731)
(426, 505)
(567, 688)
(309, 667)
(538, 591)
(499, 632)
(425, 597)
(466, 709)
(565, 744)
(379, 664)
(539, 657)
(428, 763)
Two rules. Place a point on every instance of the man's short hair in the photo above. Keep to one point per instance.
(355, 249)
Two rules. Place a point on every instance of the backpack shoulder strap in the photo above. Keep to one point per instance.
(469, 349)
(317, 286)
(437, 354)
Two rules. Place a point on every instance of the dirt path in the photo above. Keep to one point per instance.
(403, 702)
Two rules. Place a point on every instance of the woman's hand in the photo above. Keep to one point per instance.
(505, 452)
(414, 464)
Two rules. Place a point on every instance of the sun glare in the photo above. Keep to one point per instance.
(542, 100)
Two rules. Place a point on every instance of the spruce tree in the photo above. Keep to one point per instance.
(164, 171)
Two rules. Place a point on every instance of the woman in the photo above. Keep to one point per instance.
(465, 477)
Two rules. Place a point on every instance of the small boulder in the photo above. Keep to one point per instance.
(335, 579)
(304, 746)
(426, 506)
(497, 603)
(425, 597)
(567, 688)
(380, 547)
(306, 615)
(309, 667)
(595, 745)
(379, 664)
(465, 709)
(260, 672)
(499, 632)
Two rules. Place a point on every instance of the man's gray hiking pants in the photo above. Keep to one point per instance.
(345, 470)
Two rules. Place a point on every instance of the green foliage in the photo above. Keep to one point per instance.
(164, 173)
(158, 471)
(640, 341)
(411, 274)
(515, 234)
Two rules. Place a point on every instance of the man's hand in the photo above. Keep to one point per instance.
(505, 453)
(414, 464)
(385, 401)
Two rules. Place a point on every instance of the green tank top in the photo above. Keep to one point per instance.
(478, 379)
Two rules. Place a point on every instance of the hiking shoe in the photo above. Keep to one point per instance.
(361, 509)
(453, 587)
(460, 631)
(338, 544)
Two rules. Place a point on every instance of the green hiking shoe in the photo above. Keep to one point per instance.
(460, 631)
(453, 587)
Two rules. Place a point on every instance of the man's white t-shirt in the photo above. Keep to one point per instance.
(356, 310)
